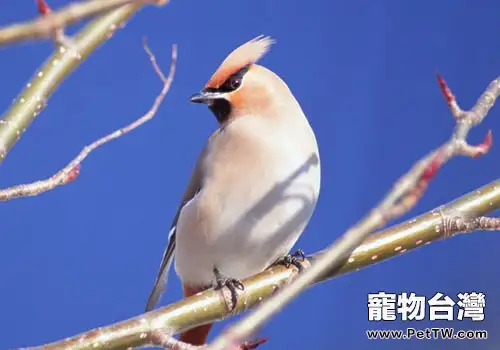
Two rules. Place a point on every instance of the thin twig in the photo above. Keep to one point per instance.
(400, 199)
(156, 328)
(53, 21)
(164, 339)
(34, 97)
(71, 171)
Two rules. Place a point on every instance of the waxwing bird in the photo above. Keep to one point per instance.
(253, 188)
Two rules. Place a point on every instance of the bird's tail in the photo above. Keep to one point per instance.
(197, 335)
(161, 279)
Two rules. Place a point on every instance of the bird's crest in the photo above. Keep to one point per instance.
(248, 53)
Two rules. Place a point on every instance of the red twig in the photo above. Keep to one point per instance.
(43, 7)
(448, 95)
(164, 339)
(456, 145)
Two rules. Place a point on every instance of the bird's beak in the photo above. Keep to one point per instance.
(206, 97)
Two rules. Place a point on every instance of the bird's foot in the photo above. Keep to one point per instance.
(294, 259)
(231, 283)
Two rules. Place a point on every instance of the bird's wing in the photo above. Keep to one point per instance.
(194, 186)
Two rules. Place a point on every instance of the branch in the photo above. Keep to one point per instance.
(33, 98)
(157, 327)
(53, 21)
(72, 169)
(403, 196)
(58, 36)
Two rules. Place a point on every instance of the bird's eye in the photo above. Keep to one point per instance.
(234, 83)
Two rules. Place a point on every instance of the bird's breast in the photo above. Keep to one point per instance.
(256, 199)
(251, 175)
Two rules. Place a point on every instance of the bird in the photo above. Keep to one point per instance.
(253, 188)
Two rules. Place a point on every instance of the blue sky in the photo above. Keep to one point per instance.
(86, 255)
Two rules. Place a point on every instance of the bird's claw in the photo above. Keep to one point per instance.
(294, 259)
(231, 283)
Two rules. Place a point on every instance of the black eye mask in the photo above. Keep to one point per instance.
(221, 107)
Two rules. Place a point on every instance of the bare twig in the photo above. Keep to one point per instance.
(69, 54)
(156, 328)
(400, 199)
(54, 21)
(32, 100)
(71, 171)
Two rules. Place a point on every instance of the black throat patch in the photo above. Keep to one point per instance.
(221, 108)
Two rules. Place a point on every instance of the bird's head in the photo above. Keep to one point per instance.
(241, 87)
